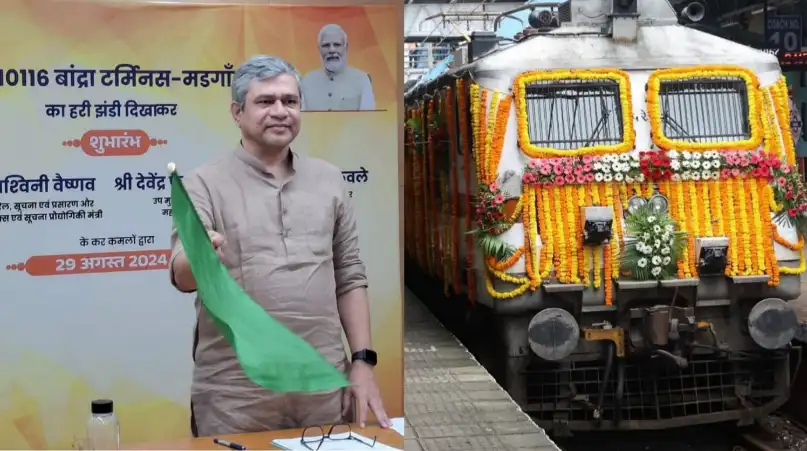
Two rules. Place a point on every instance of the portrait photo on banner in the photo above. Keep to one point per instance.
(337, 51)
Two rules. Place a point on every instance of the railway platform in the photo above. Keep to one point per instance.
(451, 401)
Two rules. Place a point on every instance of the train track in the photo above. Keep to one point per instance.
(781, 434)
(777, 432)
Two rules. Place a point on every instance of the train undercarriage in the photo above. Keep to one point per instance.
(649, 365)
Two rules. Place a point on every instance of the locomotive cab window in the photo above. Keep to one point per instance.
(706, 110)
(574, 114)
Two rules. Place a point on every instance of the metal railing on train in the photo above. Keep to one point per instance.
(418, 61)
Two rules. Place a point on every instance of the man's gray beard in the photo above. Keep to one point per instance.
(334, 66)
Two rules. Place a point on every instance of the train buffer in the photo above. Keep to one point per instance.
(451, 401)
(801, 333)
(800, 305)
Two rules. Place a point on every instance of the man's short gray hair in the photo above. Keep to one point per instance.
(259, 67)
(332, 27)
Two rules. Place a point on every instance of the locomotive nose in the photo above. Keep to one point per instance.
(772, 323)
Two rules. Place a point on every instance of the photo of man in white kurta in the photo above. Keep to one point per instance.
(336, 86)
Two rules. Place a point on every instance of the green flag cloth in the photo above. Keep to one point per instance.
(271, 355)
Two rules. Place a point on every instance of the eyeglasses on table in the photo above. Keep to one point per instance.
(338, 432)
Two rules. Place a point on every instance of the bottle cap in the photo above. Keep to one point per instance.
(101, 406)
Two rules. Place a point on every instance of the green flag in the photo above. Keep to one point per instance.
(271, 355)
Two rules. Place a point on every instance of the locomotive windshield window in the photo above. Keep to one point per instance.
(705, 110)
(572, 114)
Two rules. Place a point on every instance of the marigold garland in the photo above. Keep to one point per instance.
(735, 203)
(522, 282)
(441, 209)
(570, 201)
(787, 244)
(694, 221)
(436, 188)
(769, 232)
(735, 249)
(507, 264)
(583, 254)
(547, 228)
(745, 229)
(607, 271)
(530, 218)
(479, 98)
(774, 143)
(717, 207)
(489, 133)
(794, 271)
(424, 187)
(445, 238)
(451, 119)
(431, 193)
(682, 201)
(596, 255)
(615, 242)
(467, 142)
(534, 257)
(757, 250)
(519, 92)
(781, 103)
(517, 211)
(755, 107)
(562, 247)
(706, 205)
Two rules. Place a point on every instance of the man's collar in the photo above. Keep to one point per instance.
(293, 160)
(334, 74)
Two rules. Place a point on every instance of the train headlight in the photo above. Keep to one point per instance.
(634, 203)
(772, 323)
(712, 255)
(597, 224)
(553, 334)
(659, 204)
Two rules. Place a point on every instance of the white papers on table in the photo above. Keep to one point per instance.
(357, 443)
(398, 425)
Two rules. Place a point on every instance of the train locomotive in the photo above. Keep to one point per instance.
(617, 195)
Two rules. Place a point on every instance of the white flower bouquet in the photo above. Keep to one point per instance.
(656, 246)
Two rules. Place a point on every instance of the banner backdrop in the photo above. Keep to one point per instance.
(95, 99)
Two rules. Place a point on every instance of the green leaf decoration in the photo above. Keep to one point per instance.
(494, 246)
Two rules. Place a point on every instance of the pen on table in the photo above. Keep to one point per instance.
(230, 445)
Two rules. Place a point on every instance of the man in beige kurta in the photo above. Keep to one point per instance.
(336, 86)
(286, 232)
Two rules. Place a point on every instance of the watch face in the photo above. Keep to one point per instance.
(367, 356)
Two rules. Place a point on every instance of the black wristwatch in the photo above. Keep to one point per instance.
(367, 356)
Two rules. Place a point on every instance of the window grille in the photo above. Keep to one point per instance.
(707, 110)
(572, 114)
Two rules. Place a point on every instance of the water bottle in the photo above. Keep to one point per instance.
(103, 429)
